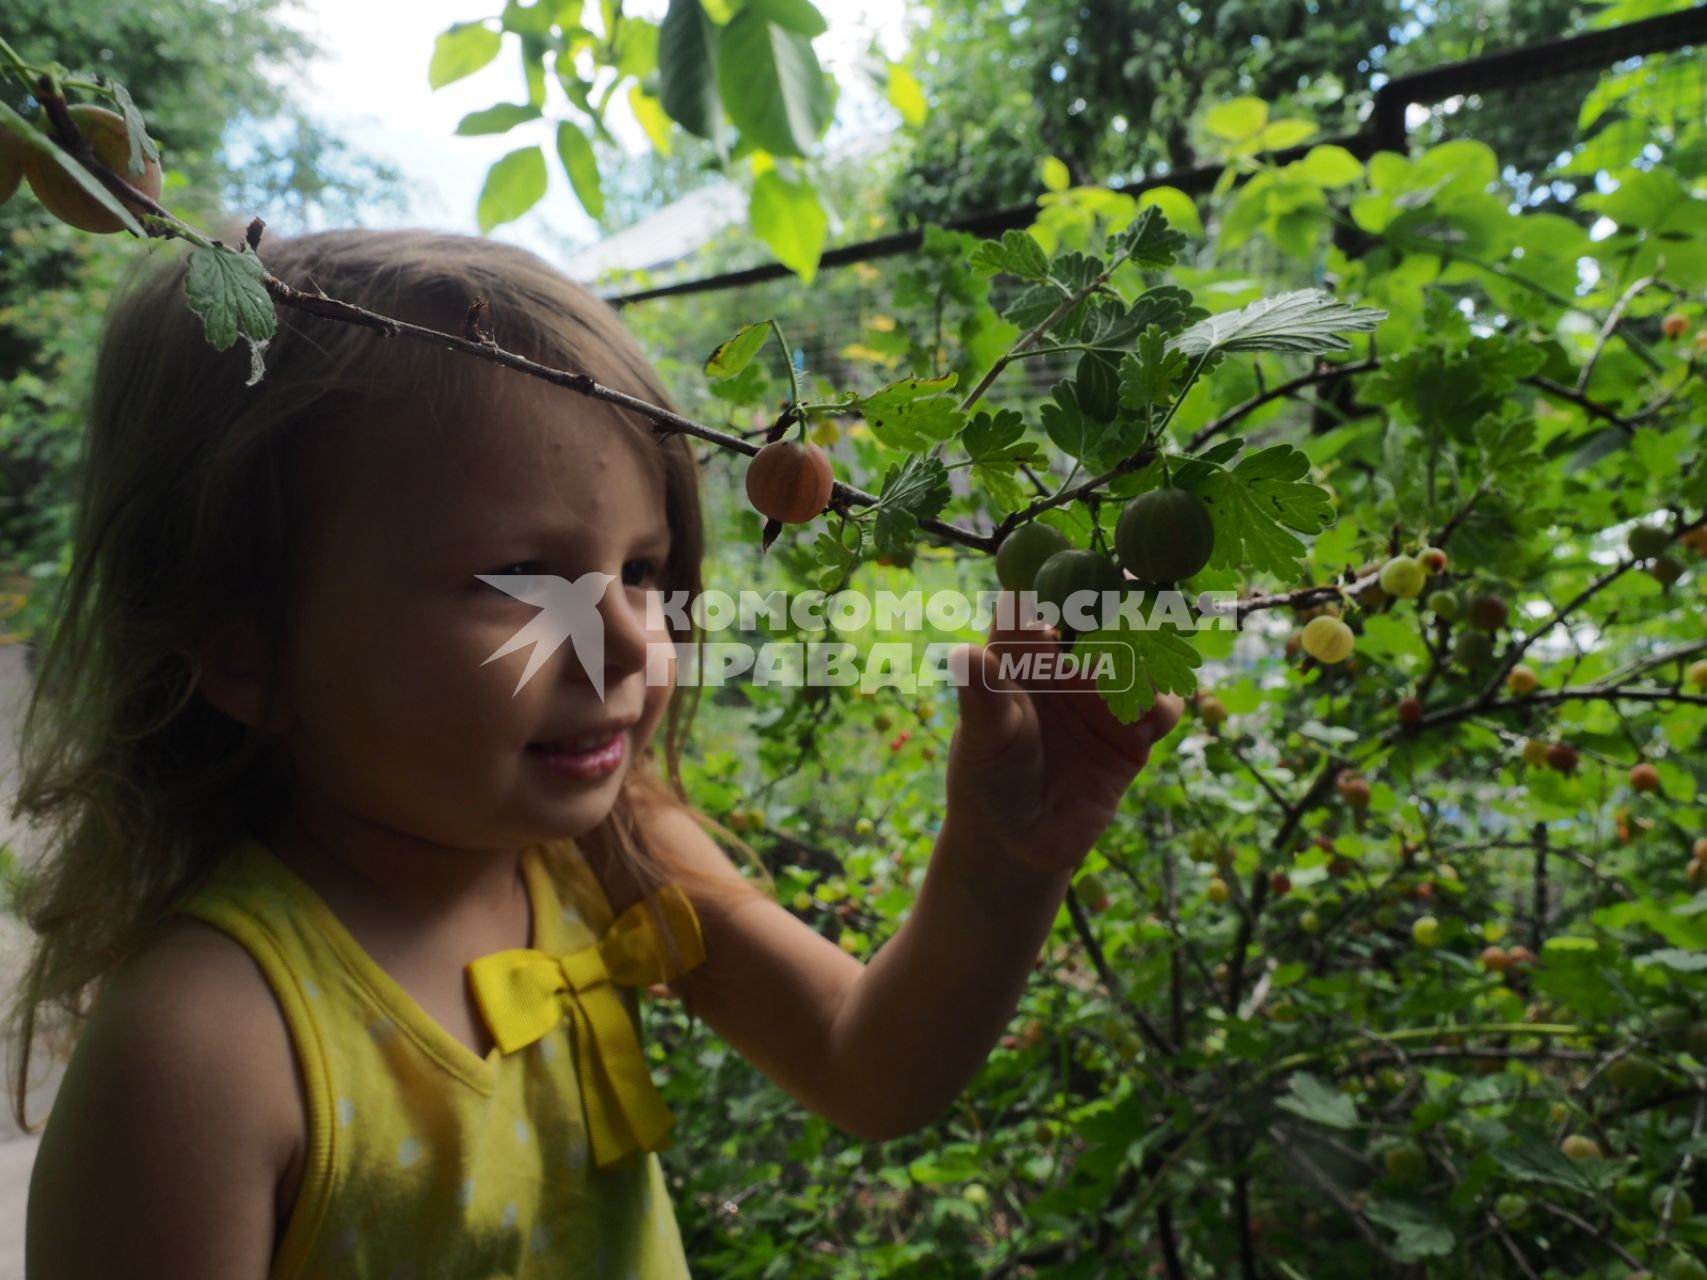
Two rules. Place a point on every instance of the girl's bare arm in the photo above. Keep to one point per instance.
(178, 1114)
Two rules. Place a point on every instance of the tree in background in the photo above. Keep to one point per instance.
(1110, 87)
(203, 72)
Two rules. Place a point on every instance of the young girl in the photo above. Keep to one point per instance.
(346, 918)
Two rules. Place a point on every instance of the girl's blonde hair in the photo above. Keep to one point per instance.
(192, 487)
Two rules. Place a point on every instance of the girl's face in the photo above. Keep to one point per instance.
(397, 717)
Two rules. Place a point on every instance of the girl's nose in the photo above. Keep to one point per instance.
(626, 637)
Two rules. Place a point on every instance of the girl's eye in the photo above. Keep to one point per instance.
(520, 568)
(647, 571)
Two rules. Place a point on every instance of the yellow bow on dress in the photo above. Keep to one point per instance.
(525, 992)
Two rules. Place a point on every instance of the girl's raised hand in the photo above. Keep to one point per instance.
(1038, 767)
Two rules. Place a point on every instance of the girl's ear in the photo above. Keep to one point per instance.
(236, 678)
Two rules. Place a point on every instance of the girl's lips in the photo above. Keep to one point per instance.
(595, 763)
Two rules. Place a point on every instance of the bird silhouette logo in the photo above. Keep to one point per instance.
(567, 611)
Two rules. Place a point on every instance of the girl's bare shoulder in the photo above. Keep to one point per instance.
(185, 1052)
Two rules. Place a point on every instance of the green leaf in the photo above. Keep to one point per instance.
(582, 166)
(1306, 321)
(1148, 241)
(1148, 375)
(796, 15)
(772, 85)
(1322, 1103)
(1278, 135)
(1055, 174)
(1179, 208)
(1252, 501)
(1237, 119)
(652, 117)
(996, 441)
(913, 489)
(1081, 434)
(687, 72)
(1672, 958)
(1146, 661)
(228, 291)
(462, 50)
(1331, 166)
(513, 186)
(1529, 1159)
(497, 119)
(1016, 253)
(914, 413)
(787, 217)
(907, 95)
(737, 353)
(1418, 1232)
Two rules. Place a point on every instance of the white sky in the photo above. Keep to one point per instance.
(371, 88)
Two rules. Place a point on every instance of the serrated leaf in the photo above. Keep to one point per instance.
(228, 292)
(1418, 1232)
(914, 413)
(1147, 661)
(1251, 502)
(1310, 1098)
(1148, 374)
(912, 490)
(462, 50)
(1529, 1158)
(1306, 321)
(1148, 241)
(737, 353)
(1016, 253)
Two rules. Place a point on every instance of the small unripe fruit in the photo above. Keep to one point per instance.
(803, 901)
(1403, 578)
(1433, 559)
(1522, 679)
(1675, 325)
(1518, 958)
(1410, 710)
(1213, 711)
(1165, 535)
(1495, 959)
(1489, 613)
(1328, 640)
(1023, 552)
(1648, 540)
(1425, 931)
(1666, 570)
(883, 722)
(1218, 890)
(864, 827)
(1681, 1205)
(1563, 757)
(1644, 777)
(1310, 923)
(1444, 604)
(1473, 649)
(1684, 1267)
(1697, 674)
(848, 943)
(1534, 752)
(1511, 1206)
(1579, 1146)
(1353, 790)
(1069, 573)
(1406, 1161)
(1631, 1074)
(790, 481)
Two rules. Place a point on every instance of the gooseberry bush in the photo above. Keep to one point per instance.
(1393, 964)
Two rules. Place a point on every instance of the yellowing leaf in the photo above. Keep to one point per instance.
(907, 95)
